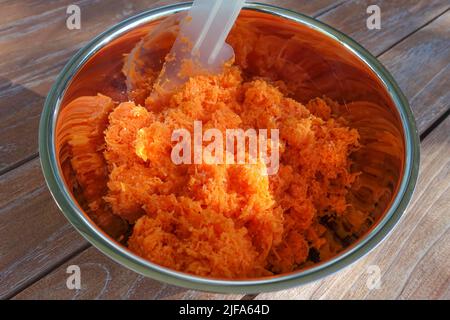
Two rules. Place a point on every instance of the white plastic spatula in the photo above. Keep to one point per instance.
(201, 41)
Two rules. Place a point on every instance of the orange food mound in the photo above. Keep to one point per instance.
(229, 220)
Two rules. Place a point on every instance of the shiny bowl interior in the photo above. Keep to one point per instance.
(320, 61)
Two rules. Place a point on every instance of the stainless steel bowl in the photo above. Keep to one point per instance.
(324, 61)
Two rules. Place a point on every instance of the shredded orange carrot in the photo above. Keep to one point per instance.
(227, 220)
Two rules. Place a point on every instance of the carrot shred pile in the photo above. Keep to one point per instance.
(228, 220)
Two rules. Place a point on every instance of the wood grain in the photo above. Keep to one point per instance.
(103, 279)
(34, 235)
(399, 19)
(421, 65)
(27, 77)
(415, 259)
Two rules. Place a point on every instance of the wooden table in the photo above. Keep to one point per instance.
(37, 243)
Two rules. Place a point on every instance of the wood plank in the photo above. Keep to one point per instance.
(415, 259)
(430, 90)
(310, 7)
(34, 236)
(430, 277)
(35, 47)
(432, 101)
(399, 19)
(14, 11)
(103, 279)
(421, 64)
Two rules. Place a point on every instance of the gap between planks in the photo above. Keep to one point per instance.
(413, 32)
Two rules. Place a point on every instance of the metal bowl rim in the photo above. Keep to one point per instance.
(120, 254)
